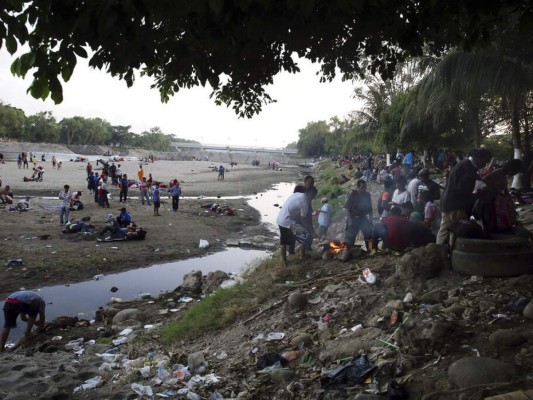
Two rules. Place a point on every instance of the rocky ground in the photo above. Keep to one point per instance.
(436, 333)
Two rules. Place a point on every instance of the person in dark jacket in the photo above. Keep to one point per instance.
(458, 195)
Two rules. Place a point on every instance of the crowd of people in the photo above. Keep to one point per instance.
(411, 211)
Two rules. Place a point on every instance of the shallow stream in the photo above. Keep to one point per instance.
(83, 299)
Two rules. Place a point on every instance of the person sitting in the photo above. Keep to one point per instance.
(6, 195)
(116, 232)
(135, 232)
(124, 219)
(384, 202)
(23, 205)
(419, 233)
(401, 194)
(75, 201)
(431, 214)
(393, 230)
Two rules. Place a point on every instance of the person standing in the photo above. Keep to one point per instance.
(458, 195)
(64, 206)
(324, 218)
(358, 208)
(123, 184)
(175, 193)
(294, 211)
(220, 173)
(25, 161)
(140, 173)
(310, 193)
(143, 186)
(28, 304)
(54, 162)
(156, 198)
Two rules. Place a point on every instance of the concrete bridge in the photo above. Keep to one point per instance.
(237, 148)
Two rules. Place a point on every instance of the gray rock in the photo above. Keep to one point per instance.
(433, 297)
(282, 376)
(423, 263)
(232, 242)
(297, 300)
(454, 309)
(330, 289)
(392, 305)
(507, 338)
(213, 281)
(128, 313)
(304, 339)
(485, 305)
(471, 371)
(192, 282)
(528, 311)
(350, 346)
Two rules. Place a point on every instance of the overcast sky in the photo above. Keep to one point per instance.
(190, 114)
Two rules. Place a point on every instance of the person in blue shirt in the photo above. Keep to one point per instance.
(175, 193)
(123, 184)
(124, 218)
(156, 198)
(408, 162)
(28, 304)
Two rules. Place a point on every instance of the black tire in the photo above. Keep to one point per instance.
(494, 264)
(497, 243)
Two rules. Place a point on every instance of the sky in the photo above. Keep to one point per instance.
(190, 114)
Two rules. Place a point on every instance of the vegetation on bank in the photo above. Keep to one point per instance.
(227, 305)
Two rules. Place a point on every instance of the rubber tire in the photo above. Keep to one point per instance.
(498, 243)
(494, 264)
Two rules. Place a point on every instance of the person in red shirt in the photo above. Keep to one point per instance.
(394, 230)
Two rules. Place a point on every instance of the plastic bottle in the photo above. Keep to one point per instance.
(98, 277)
(116, 300)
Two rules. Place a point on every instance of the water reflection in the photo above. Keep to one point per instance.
(84, 298)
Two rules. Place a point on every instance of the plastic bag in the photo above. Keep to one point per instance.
(204, 244)
(348, 374)
(89, 384)
(142, 390)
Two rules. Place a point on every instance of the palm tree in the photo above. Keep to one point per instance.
(462, 81)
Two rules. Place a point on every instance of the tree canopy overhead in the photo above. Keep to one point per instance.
(238, 46)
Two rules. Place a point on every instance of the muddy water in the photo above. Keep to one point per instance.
(84, 298)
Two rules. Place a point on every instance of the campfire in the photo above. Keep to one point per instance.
(336, 247)
(339, 250)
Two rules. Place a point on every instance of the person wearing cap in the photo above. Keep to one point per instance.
(28, 304)
(124, 219)
(458, 195)
(324, 218)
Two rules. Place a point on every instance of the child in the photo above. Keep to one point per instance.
(156, 198)
(324, 218)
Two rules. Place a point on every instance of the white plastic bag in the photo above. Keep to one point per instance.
(204, 244)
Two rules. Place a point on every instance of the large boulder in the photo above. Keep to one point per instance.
(423, 263)
(127, 314)
(470, 371)
(192, 282)
(213, 281)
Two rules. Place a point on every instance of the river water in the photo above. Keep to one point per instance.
(83, 299)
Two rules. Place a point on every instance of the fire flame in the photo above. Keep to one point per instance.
(335, 247)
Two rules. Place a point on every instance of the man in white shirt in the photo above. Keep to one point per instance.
(294, 211)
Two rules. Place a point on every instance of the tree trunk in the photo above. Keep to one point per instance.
(517, 144)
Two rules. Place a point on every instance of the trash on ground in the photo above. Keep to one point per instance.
(204, 244)
(92, 383)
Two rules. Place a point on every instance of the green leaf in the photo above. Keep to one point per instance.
(80, 51)
(15, 67)
(11, 44)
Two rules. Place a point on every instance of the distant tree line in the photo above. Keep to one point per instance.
(44, 128)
